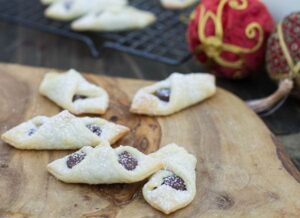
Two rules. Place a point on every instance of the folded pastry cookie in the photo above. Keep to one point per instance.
(71, 9)
(116, 18)
(63, 131)
(173, 94)
(177, 4)
(173, 187)
(72, 92)
(104, 165)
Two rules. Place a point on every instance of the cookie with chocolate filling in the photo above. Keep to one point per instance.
(71, 91)
(173, 94)
(105, 165)
(174, 187)
(63, 131)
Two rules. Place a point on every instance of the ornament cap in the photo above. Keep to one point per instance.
(261, 105)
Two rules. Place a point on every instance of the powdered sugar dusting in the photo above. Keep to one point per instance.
(166, 197)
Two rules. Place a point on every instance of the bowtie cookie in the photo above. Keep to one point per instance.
(173, 94)
(173, 187)
(63, 131)
(72, 92)
(104, 165)
(177, 4)
(114, 19)
(71, 9)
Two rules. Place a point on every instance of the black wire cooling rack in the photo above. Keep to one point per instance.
(163, 41)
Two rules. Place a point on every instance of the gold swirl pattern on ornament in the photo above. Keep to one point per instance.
(294, 68)
(214, 45)
(238, 5)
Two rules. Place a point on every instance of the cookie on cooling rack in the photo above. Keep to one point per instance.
(118, 18)
(48, 2)
(177, 4)
(70, 9)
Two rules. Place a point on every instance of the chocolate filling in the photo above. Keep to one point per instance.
(175, 182)
(163, 94)
(127, 160)
(75, 159)
(95, 129)
(32, 131)
(77, 97)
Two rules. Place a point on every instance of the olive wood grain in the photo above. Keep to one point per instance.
(242, 170)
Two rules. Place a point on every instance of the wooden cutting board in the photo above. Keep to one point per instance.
(242, 171)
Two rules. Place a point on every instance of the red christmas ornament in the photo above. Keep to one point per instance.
(229, 36)
(283, 61)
